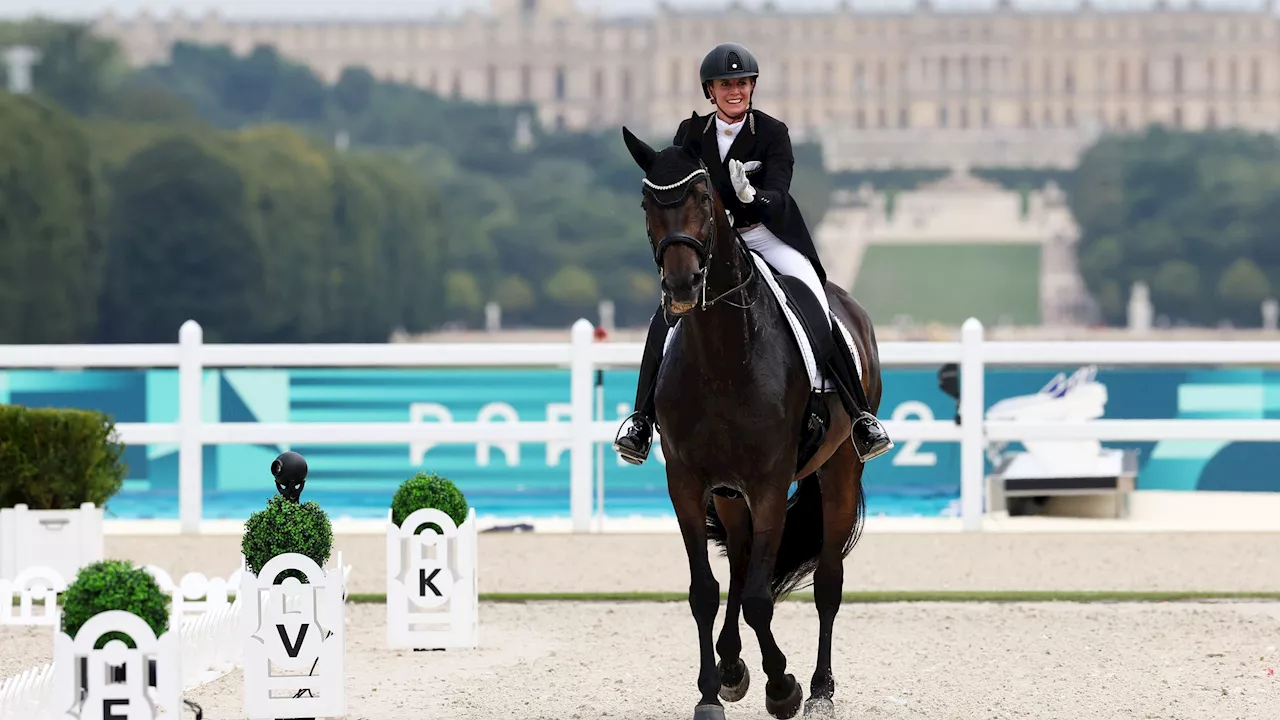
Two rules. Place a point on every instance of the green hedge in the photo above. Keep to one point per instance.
(286, 527)
(56, 459)
(114, 585)
(428, 490)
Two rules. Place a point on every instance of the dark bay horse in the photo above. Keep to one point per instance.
(731, 401)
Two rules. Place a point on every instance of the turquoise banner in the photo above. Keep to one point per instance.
(532, 480)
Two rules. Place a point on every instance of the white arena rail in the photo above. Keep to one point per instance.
(582, 356)
(211, 647)
(26, 695)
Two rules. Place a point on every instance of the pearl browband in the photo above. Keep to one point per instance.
(675, 185)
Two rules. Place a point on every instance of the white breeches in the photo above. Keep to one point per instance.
(788, 261)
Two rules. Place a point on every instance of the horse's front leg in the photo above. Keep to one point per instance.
(782, 694)
(736, 518)
(689, 498)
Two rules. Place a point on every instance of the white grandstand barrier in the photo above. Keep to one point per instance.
(34, 584)
(576, 428)
(65, 540)
(433, 596)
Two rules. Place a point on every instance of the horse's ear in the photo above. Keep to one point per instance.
(692, 138)
(639, 149)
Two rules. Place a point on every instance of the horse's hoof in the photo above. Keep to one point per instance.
(734, 682)
(708, 712)
(819, 707)
(787, 707)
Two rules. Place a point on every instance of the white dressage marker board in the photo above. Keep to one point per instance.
(106, 698)
(433, 594)
(294, 641)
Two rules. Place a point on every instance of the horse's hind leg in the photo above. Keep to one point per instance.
(736, 518)
(782, 693)
(690, 502)
(840, 479)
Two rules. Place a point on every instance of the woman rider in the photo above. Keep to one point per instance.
(768, 219)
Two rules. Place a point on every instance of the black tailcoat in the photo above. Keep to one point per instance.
(766, 139)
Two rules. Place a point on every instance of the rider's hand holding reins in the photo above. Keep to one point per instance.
(741, 186)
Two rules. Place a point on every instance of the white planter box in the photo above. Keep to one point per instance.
(288, 646)
(65, 540)
(433, 594)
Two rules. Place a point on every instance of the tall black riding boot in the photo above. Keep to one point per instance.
(635, 438)
(869, 437)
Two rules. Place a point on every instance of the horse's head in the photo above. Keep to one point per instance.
(681, 213)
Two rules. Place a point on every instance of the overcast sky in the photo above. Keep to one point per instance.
(418, 8)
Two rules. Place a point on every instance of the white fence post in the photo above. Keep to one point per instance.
(190, 417)
(972, 435)
(580, 465)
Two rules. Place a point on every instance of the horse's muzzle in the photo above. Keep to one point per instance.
(680, 296)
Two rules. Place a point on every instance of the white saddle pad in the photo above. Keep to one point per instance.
(816, 379)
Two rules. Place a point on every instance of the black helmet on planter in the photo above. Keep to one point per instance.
(725, 61)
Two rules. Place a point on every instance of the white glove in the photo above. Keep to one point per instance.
(741, 186)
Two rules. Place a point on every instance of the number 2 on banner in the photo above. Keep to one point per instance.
(910, 453)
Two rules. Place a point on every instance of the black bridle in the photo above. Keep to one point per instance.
(703, 249)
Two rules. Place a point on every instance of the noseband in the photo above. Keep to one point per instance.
(700, 248)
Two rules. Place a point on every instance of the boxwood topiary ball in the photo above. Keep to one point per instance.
(114, 585)
(283, 527)
(428, 490)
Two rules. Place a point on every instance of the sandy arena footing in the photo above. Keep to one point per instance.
(638, 661)
(888, 561)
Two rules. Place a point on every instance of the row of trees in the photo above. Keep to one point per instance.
(210, 187)
(118, 233)
(1194, 215)
(431, 211)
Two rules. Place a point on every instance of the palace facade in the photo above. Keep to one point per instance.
(920, 87)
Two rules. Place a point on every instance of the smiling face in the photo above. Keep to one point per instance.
(732, 97)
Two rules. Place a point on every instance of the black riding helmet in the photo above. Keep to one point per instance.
(725, 61)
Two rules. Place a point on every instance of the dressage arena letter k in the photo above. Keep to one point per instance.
(427, 581)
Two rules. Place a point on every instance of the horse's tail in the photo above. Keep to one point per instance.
(801, 545)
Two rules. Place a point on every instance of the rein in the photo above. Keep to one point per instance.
(703, 250)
